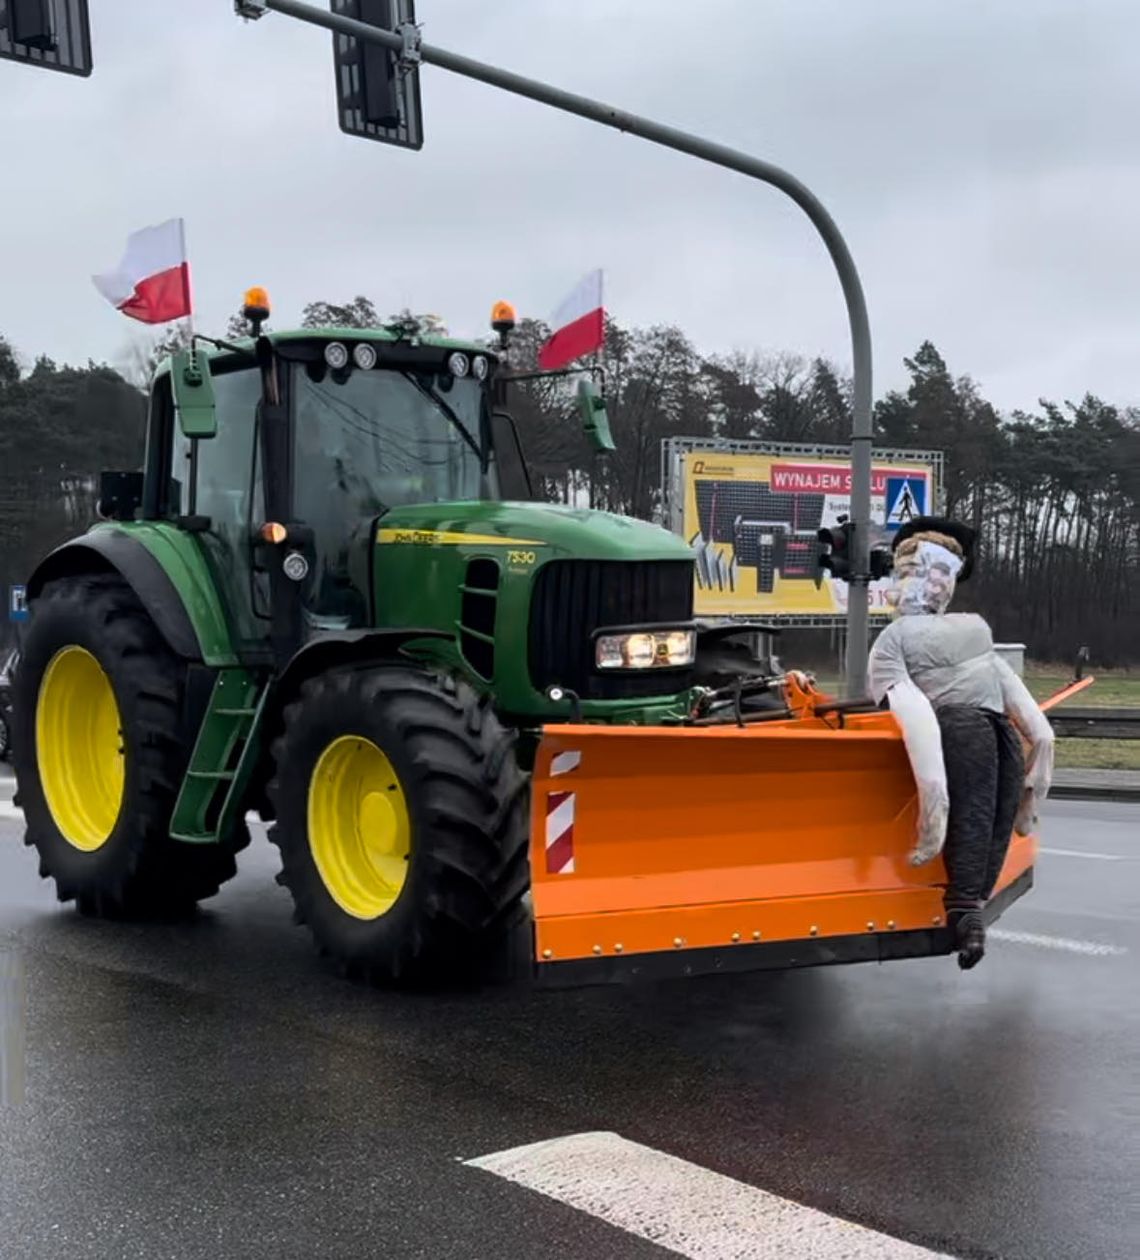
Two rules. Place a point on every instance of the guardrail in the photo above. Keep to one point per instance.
(1074, 723)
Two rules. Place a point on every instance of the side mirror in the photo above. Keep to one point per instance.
(193, 394)
(595, 420)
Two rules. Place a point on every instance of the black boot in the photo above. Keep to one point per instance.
(970, 935)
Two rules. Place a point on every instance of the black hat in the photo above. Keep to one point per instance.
(963, 535)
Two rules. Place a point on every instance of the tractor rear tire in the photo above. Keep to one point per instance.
(401, 816)
(100, 753)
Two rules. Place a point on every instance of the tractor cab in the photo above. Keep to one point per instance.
(305, 440)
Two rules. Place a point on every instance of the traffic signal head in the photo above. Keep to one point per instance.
(882, 562)
(835, 549)
(835, 554)
(378, 88)
(47, 34)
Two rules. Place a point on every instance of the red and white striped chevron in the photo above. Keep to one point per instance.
(560, 819)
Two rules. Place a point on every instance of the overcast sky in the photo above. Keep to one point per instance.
(981, 156)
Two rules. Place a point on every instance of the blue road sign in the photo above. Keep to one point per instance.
(906, 499)
(17, 603)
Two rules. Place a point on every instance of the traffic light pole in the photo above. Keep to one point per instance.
(733, 160)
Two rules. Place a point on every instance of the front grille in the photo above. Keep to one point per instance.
(573, 598)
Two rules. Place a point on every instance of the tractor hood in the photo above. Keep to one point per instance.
(578, 532)
(521, 589)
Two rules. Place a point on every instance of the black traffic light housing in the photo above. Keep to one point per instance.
(835, 550)
(882, 562)
(378, 67)
(30, 23)
(835, 554)
(377, 88)
(50, 34)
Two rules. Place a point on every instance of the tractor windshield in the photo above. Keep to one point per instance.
(375, 440)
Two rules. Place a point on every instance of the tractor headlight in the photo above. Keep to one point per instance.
(646, 649)
(458, 365)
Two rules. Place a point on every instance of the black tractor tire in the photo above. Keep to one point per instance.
(5, 739)
(467, 814)
(138, 871)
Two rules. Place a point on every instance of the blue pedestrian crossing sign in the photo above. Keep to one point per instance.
(17, 603)
(906, 499)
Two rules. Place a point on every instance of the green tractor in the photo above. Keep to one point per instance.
(328, 598)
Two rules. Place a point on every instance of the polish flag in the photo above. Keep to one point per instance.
(579, 325)
(152, 281)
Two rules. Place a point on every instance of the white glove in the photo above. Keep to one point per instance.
(1025, 824)
(923, 740)
(933, 815)
(1024, 712)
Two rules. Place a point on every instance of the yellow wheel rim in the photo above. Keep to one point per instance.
(79, 748)
(359, 829)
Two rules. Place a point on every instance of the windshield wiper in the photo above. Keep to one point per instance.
(432, 396)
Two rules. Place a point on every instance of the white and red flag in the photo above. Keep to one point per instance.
(578, 323)
(152, 281)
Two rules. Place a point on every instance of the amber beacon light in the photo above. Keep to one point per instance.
(255, 307)
(503, 320)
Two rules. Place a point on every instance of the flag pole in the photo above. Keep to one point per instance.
(598, 352)
(192, 489)
(186, 282)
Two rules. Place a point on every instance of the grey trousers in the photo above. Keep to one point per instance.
(985, 775)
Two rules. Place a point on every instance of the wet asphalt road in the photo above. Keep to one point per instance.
(207, 1089)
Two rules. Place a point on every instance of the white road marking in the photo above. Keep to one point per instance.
(1094, 948)
(1099, 857)
(683, 1207)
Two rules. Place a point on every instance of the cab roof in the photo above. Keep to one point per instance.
(363, 334)
(384, 335)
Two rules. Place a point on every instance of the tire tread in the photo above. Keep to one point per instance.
(470, 812)
(151, 873)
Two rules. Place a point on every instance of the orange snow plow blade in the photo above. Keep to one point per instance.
(679, 850)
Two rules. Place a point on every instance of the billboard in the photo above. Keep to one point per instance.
(752, 518)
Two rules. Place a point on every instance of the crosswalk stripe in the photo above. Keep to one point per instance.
(683, 1207)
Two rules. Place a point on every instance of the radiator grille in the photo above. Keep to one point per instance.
(573, 598)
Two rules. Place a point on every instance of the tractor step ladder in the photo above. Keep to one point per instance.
(223, 759)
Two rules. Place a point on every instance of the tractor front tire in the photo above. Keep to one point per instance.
(99, 755)
(401, 816)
